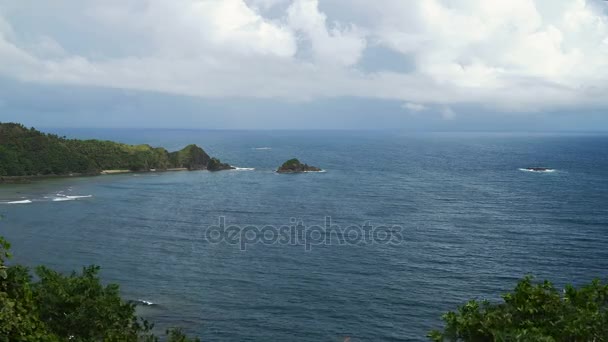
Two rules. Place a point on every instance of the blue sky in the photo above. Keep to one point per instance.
(535, 65)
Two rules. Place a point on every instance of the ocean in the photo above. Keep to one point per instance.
(465, 220)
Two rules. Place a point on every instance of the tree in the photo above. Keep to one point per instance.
(28, 152)
(59, 308)
(4, 254)
(532, 312)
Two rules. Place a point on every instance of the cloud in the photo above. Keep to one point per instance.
(339, 45)
(448, 113)
(413, 107)
(519, 55)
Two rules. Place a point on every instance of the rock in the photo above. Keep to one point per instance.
(295, 166)
(216, 165)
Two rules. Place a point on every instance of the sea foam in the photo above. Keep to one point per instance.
(18, 202)
(145, 302)
(62, 198)
(537, 171)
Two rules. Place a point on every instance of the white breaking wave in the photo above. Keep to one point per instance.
(61, 199)
(320, 171)
(262, 148)
(145, 302)
(539, 171)
(69, 198)
(243, 168)
(18, 202)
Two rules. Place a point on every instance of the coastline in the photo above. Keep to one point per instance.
(32, 178)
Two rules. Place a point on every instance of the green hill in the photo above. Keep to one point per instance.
(28, 152)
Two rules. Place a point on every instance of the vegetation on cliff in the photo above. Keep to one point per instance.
(57, 308)
(532, 312)
(28, 152)
(294, 166)
(190, 157)
(217, 165)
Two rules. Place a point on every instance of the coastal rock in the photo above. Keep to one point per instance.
(216, 165)
(295, 166)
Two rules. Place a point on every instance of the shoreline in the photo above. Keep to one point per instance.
(33, 178)
(116, 172)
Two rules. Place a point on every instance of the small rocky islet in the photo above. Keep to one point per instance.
(295, 166)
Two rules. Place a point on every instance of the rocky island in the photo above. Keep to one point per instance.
(28, 153)
(295, 166)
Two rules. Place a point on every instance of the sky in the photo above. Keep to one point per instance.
(516, 65)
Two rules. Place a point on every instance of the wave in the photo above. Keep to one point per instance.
(320, 171)
(18, 202)
(144, 302)
(243, 168)
(538, 171)
(62, 198)
(262, 148)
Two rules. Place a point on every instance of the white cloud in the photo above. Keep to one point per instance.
(519, 55)
(265, 4)
(340, 45)
(413, 107)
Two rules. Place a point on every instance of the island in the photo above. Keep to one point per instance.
(28, 153)
(295, 166)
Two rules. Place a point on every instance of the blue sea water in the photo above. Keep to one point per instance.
(472, 222)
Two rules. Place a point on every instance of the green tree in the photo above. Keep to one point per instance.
(532, 312)
(59, 308)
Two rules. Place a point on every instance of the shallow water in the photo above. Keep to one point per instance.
(473, 223)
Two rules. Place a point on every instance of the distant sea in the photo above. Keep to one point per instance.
(473, 223)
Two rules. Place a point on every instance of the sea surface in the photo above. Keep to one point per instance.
(473, 222)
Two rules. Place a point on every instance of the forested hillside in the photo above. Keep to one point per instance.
(28, 152)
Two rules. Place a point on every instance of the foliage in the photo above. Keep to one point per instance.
(532, 312)
(28, 152)
(191, 157)
(294, 165)
(176, 335)
(291, 163)
(59, 308)
(217, 165)
(4, 254)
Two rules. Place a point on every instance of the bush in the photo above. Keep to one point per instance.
(532, 312)
(67, 308)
